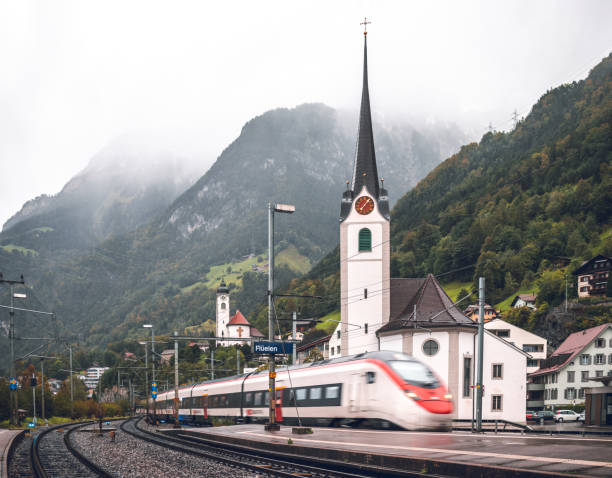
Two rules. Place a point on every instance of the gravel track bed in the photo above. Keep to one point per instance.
(129, 457)
(20, 464)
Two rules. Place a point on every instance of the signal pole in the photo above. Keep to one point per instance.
(12, 393)
(176, 384)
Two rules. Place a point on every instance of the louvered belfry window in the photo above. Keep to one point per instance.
(365, 240)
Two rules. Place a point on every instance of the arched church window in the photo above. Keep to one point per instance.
(222, 305)
(365, 240)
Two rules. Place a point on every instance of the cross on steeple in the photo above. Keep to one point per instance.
(365, 24)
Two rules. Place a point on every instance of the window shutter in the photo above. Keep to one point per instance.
(365, 240)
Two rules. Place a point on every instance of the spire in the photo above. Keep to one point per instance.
(365, 172)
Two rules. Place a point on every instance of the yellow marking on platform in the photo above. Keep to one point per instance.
(264, 466)
(455, 452)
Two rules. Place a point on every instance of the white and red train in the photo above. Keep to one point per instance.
(375, 389)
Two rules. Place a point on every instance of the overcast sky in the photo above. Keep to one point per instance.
(76, 74)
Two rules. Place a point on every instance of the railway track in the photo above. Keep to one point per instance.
(261, 462)
(53, 456)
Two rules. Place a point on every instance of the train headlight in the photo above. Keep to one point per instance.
(412, 395)
(448, 396)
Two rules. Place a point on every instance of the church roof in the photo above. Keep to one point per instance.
(238, 319)
(255, 332)
(421, 302)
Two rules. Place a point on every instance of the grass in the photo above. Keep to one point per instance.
(505, 304)
(329, 322)
(12, 248)
(452, 289)
(233, 271)
(39, 421)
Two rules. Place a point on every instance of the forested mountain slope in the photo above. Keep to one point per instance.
(160, 271)
(521, 208)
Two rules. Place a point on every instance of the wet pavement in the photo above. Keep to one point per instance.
(566, 455)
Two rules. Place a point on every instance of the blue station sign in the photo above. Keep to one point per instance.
(12, 384)
(273, 348)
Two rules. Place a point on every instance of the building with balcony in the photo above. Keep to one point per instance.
(566, 375)
(593, 276)
(528, 342)
(471, 311)
(93, 376)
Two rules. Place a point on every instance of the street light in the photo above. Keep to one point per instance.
(146, 374)
(286, 209)
(150, 326)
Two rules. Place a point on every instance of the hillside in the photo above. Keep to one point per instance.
(162, 271)
(521, 208)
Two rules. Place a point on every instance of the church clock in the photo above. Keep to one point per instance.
(364, 205)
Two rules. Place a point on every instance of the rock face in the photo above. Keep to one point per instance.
(134, 249)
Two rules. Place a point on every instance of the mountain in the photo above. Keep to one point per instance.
(125, 185)
(521, 208)
(165, 271)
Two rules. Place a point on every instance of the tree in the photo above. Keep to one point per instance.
(314, 355)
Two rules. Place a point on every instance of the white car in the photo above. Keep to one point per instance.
(566, 416)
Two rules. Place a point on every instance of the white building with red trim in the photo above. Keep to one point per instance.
(237, 327)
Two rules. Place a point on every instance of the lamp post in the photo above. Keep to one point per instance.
(286, 209)
(150, 326)
(146, 375)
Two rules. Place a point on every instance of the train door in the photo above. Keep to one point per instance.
(354, 392)
(205, 405)
(279, 404)
(368, 395)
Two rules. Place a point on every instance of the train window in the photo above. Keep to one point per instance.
(415, 373)
(315, 393)
(248, 398)
(332, 391)
(300, 394)
(370, 377)
(266, 397)
(257, 401)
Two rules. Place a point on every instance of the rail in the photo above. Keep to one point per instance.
(493, 425)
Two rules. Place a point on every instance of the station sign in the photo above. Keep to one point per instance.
(273, 348)
(12, 384)
(154, 387)
(154, 394)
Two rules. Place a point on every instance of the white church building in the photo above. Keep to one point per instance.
(236, 327)
(412, 315)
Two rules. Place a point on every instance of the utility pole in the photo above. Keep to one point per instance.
(71, 389)
(515, 118)
(566, 293)
(481, 306)
(12, 393)
(237, 361)
(33, 385)
(293, 336)
(42, 388)
(176, 383)
(153, 367)
(212, 363)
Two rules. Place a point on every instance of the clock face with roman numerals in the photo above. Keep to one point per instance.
(364, 205)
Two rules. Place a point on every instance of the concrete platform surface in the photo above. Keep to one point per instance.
(530, 455)
(6, 437)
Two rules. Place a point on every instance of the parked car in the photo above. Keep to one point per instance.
(566, 416)
(581, 418)
(547, 415)
(529, 415)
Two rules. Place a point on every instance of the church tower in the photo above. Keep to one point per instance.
(364, 242)
(223, 311)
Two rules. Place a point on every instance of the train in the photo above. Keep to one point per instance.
(385, 390)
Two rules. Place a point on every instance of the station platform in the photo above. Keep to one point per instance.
(446, 454)
(6, 438)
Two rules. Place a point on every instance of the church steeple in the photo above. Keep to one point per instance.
(365, 172)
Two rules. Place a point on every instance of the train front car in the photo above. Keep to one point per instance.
(421, 400)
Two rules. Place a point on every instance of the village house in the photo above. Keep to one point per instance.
(593, 276)
(565, 376)
(524, 300)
